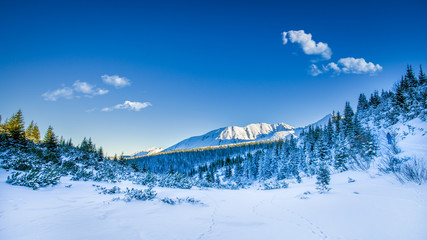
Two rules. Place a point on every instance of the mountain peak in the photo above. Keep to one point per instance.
(236, 134)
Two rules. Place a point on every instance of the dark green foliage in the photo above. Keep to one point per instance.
(32, 133)
(50, 140)
(137, 194)
(189, 200)
(374, 100)
(323, 179)
(15, 127)
(174, 180)
(348, 121)
(82, 175)
(422, 77)
(87, 146)
(48, 175)
(362, 103)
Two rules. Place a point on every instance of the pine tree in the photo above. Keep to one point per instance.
(29, 131)
(210, 176)
(323, 179)
(362, 103)
(91, 147)
(337, 121)
(15, 127)
(348, 123)
(84, 146)
(50, 139)
(399, 100)
(422, 77)
(330, 133)
(375, 99)
(171, 171)
(100, 154)
(410, 78)
(1, 127)
(228, 172)
(70, 143)
(36, 134)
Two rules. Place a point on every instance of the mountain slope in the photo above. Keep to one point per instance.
(253, 132)
(145, 152)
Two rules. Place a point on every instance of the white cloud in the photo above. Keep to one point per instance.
(107, 109)
(70, 93)
(115, 80)
(332, 66)
(309, 46)
(83, 87)
(88, 89)
(65, 92)
(128, 105)
(348, 65)
(90, 110)
(358, 66)
(285, 40)
(101, 91)
(314, 70)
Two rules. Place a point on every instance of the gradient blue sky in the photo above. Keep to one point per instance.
(201, 64)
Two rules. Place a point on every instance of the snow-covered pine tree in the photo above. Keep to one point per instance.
(362, 103)
(348, 123)
(323, 179)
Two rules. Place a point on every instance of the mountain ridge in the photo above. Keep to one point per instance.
(255, 132)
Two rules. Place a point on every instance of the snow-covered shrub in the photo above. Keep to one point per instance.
(17, 163)
(175, 180)
(137, 194)
(192, 201)
(82, 174)
(232, 186)
(169, 201)
(49, 156)
(49, 175)
(104, 190)
(274, 185)
(305, 195)
(69, 167)
(189, 200)
(391, 163)
(105, 174)
(145, 179)
(414, 170)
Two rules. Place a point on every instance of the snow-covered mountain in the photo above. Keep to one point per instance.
(149, 151)
(252, 132)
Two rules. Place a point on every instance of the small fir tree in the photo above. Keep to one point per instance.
(323, 179)
(15, 127)
(35, 134)
(50, 140)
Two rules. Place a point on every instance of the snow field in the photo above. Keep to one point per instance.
(372, 207)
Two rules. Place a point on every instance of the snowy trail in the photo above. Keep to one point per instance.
(382, 209)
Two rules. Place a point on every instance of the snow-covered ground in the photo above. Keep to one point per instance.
(372, 207)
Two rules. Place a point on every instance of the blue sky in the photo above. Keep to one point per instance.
(133, 75)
